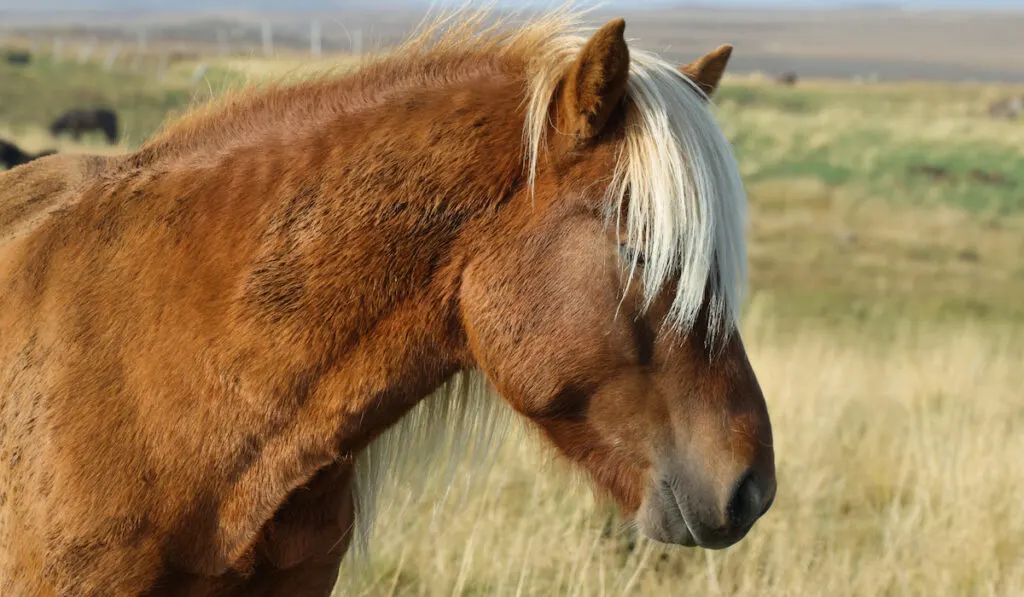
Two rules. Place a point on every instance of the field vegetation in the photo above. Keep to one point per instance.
(887, 276)
(898, 469)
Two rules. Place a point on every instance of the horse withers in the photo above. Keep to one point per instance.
(203, 343)
(80, 121)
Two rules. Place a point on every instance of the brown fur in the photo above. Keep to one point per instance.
(198, 339)
(707, 70)
(596, 83)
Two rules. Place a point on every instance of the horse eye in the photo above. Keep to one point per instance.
(631, 255)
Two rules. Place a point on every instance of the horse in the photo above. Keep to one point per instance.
(81, 121)
(209, 350)
(787, 78)
(11, 155)
(18, 57)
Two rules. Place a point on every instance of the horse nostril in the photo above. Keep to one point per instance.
(746, 504)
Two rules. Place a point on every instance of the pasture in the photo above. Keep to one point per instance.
(886, 235)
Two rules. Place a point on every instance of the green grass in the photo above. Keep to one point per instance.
(870, 139)
(850, 222)
(33, 97)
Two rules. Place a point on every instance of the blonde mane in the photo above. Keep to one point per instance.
(676, 181)
(676, 178)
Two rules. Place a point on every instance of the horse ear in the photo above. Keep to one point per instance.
(596, 82)
(707, 70)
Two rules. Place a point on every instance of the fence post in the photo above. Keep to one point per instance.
(198, 74)
(315, 43)
(161, 68)
(112, 53)
(268, 38)
(357, 42)
(222, 42)
(86, 51)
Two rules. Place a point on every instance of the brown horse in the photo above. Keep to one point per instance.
(208, 349)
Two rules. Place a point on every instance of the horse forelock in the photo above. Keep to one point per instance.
(676, 181)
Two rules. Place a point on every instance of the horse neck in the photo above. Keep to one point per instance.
(343, 237)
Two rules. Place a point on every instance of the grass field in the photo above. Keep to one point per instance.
(886, 244)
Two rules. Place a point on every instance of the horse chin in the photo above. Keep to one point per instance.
(661, 520)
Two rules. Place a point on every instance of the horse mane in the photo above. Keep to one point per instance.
(676, 182)
(442, 50)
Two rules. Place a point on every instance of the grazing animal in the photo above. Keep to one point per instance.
(77, 122)
(18, 57)
(11, 155)
(210, 351)
(787, 78)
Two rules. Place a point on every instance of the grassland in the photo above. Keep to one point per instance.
(898, 464)
(885, 200)
(886, 244)
(144, 97)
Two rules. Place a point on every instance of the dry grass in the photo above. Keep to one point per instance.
(263, 68)
(827, 251)
(899, 470)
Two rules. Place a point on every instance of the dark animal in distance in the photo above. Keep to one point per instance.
(80, 121)
(18, 57)
(786, 78)
(11, 155)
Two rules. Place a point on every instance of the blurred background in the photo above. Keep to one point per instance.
(882, 145)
